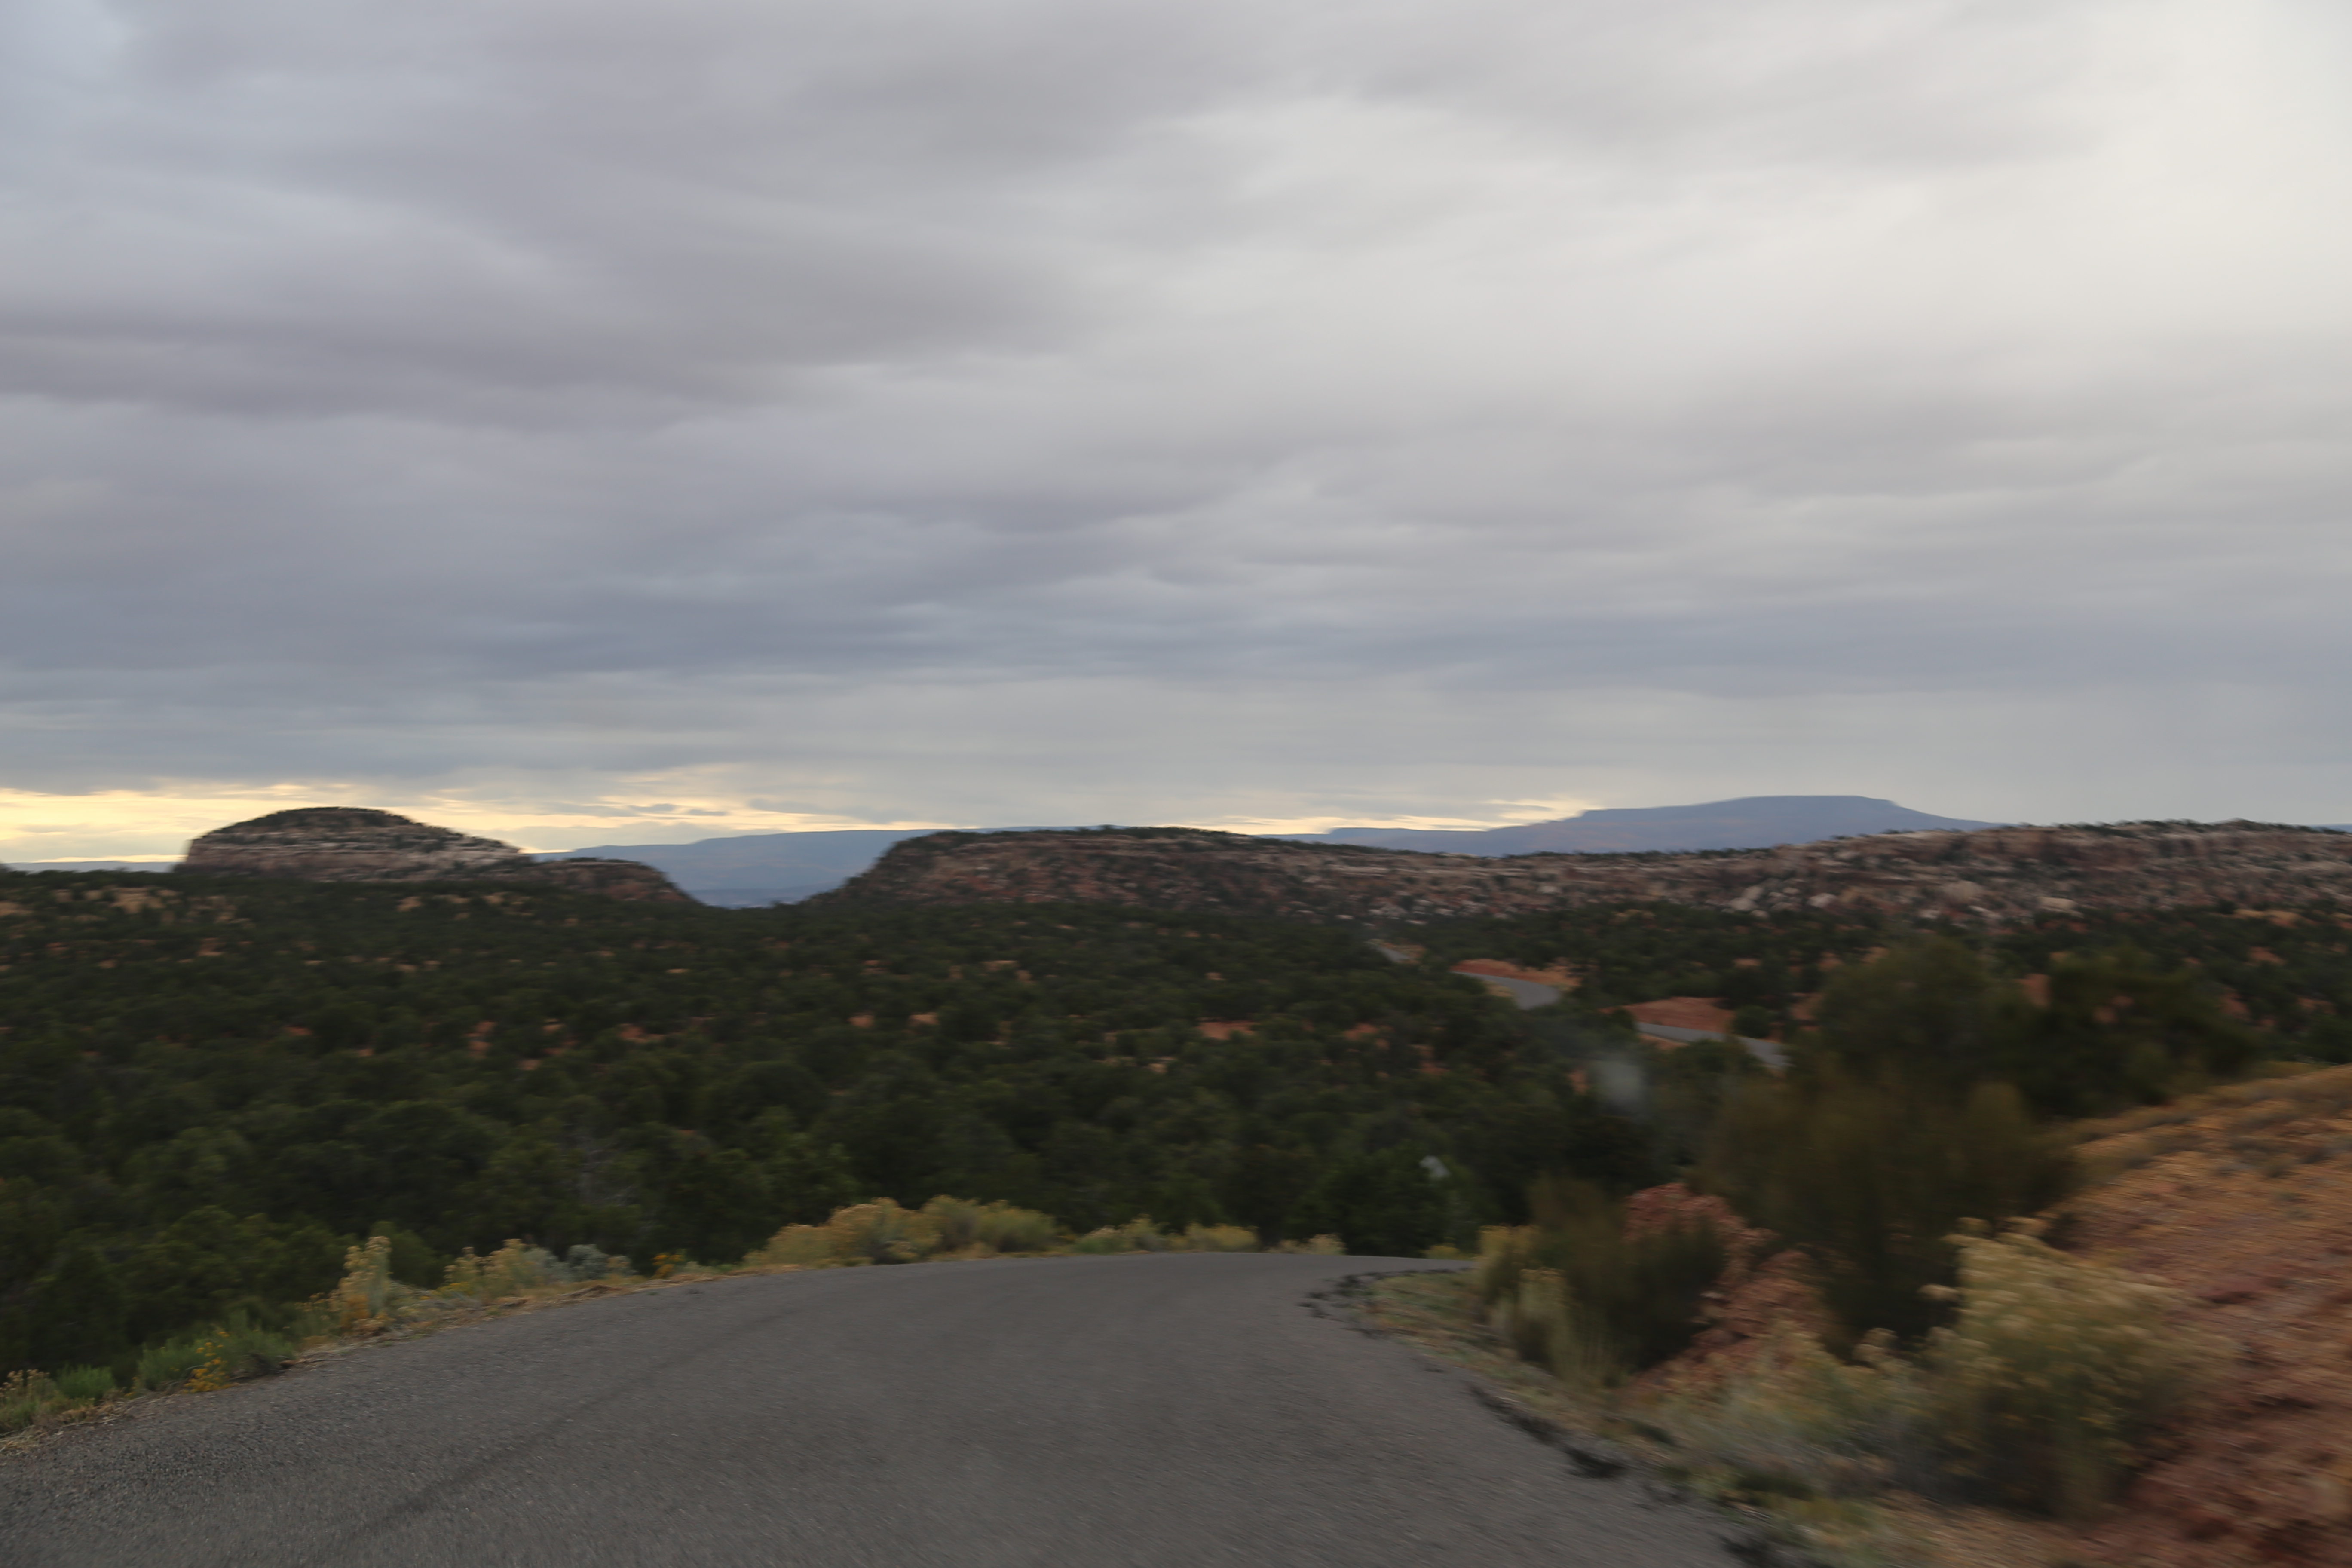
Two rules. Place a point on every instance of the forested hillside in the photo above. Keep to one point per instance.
(2286, 971)
(206, 1088)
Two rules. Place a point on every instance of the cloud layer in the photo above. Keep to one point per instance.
(742, 414)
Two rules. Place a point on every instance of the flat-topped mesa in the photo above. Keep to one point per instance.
(347, 844)
(354, 844)
(1990, 875)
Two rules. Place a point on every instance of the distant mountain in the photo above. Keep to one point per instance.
(755, 869)
(1751, 822)
(91, 865)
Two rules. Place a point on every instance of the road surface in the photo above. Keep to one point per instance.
(1172, 1410)
(1526, 992)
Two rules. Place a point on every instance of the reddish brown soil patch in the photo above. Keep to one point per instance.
(1224, 1028)
(1496, 969)
(1684, 1013)
(1759, 1290)
(2243, 1201)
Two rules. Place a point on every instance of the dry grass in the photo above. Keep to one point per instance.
(2056, 1371)
(1710, 1447)
(2042, 1395)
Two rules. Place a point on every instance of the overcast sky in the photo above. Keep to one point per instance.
(586, 421)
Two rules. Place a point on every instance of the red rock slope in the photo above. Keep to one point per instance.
(2242, 1199)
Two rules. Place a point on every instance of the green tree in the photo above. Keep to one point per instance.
(78, 1310)
(1871, 1178)
(1928, 1013)
(1388, 1204)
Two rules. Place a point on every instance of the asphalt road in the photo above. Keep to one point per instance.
(1526, 992)
(1177, 1410)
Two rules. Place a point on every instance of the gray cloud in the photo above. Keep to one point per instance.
(1050, 411)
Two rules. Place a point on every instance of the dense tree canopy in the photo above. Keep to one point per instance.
(209, 1088)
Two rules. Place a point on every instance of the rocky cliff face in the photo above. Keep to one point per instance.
(349, 844)
(1986, 875)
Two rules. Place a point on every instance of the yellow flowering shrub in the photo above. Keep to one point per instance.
(1319, 1245)
(1137, 1234)
(1220, 1238)
(878, 1232)
(513, 1270)
(963, 1226)
(368, 1295)
(2055, 1370)
(214, 1372)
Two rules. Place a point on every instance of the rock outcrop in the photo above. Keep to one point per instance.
(1986, 876)
(352, 844)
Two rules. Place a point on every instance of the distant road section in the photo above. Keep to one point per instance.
(1526, 992)
(1148, 1412)
(1769, 1052)
(1535, 994)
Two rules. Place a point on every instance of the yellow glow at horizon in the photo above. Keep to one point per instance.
(127, 824)
(132, 824)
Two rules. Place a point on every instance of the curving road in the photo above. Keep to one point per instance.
(1174, 1410)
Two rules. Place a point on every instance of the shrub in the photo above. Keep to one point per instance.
(795, 1246)
(881, 1232)
(585, 1263)
(2116, 1028)
(2055, 1370)
(1385, 1205)
(1220, 1238)
(368, 1295)
(85, 1385)
(2040, 1393)
(25, 1397)
(511, 1270)
(1538, 1317)
(215, 1357)
(1871, 1180)
(1793, 1419)
(962, 1225)
(956, 1220)
(1008, 1229)
(172, 1363)
(1319, 1245)
(1137, 1234)
(1578, 1294)
(878, 1232)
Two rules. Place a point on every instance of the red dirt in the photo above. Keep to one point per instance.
(2245, 1204)
(2242, 1200)
(1746, 1304)
(1684, 1013)
(1495, 968)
